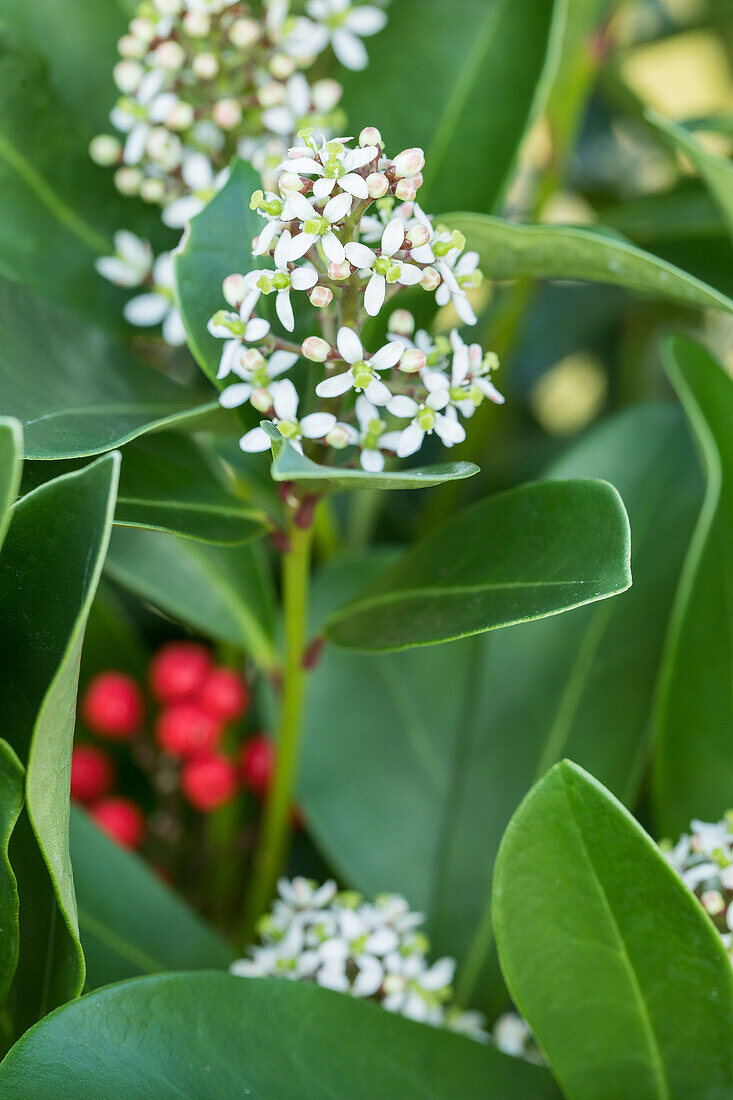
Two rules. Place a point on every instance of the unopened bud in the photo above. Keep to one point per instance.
(418, 236)
(127, 76)
(281, 66)
(270, 95)
(197, 24)
(417, 179)
(338, 437)
(261, 400)
(152, 190)
(244, 33)
(401, 322)
(405, 190)
(143, 29)
(430, 279)
(289, 181)
(164, 147)
(128, 180)
(326, 94)
(370, 135)
(180, 117)
(205, 66)
(378, 185)
(132, 47)
(252, 359)
(408, 163)
(168, 7)
(105, 150)
(170, 56)
(315, 349)
(412, 361)
(234, 288)
(339, 272)
(320, 296)
(227, 113)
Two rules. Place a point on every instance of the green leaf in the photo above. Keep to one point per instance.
(11, 460)
(290, 465)
(472, 736)
(218, 243)
(168, 483)
(75, 390)
(130, 922)
(12, 775)
(693, 766)
(533, 551)
(231, 1037)
(50, 566)
(714, 170)
(224, 592)
(510, 251)
(470, 143)
(622, 976)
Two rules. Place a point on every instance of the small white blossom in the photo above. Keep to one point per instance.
(316, 227)
(132, 262)
(285, 404)
(425, 419)
(383, 267)
(344, 26)
(157, 306)
(362, 374)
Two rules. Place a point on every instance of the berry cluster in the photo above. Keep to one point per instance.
(195, 704)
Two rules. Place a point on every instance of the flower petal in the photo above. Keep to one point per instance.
(365, 20)
(284, 309)
(349, 345)
(388, 356)
(299, 245)
(359, 255)
(378, 393)
(375, 294)
(355, 185)
(410, 440)
(402, 406)
(335, 385)
(285, 400)
(255, 440)
(147, 309)
(333, 248)
(393, 237)
(337, 207)
(279, 362)
(234, 396)
(256, 329)
(372, 461)
(297, 206)
(304, 277)
(323, 187)
(316, 425)
(349, 50)
(409, 275)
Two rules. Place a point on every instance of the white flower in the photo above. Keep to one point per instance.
(425, 420)
(158, 305)
(283, 280)
(237, 329)
(316, 227)
(371, 436)
(258, 381)
(303, 893)
(199, 176)
(362, 373)
(285, 403)
(344, 26)
(332, 164)
(131, 263)
(452, 267)
(384, 269)
(286, 118)
(468, 370)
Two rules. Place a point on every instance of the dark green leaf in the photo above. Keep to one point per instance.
(11, 459)
(224, 592)
(614, 963)
(289, 465)
(76, 391)
(228, 1037)
(462, 116)
(511, 251)
(218, 243)
(130, 922)
(50, 566)
(693, 767)
(11, 802)
(533, 551)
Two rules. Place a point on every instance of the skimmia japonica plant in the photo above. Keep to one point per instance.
(338, 666)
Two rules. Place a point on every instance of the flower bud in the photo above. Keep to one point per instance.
(401, 322)
(205, 66)
(227, 113)
(168, 7)
(418, 236)
(320, 296)
(430, 279)
(289, 181)
(234, 288)
(127, 76)
(261, 400)
(105, 150)
(152, 190)
(270, 95)
(244, 33)
(339, 272)
(338, 437)
(281, 66)
(408, 163)
(180, 117)
(412, 361)
(378, 185)
(128, 180)
(370, 135)
(197, 24)
(326, 94)
(143, 29)
(170, 56)
(315, 349)
(252, 359)
(131, 47)
(405, 190)
(417, 179)
(164, 148)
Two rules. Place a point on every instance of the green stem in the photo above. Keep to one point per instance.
(275, 832)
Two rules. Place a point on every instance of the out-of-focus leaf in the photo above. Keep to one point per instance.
(231, 1037)
(693, 764)
(622, 976)
(11, 803)
(11, 459)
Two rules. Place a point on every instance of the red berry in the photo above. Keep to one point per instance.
(208, 781)
(256, 764)
(186, 728)
(121, 819)
(225, 694)
(177, 671)
(113, 706)
(91, 773)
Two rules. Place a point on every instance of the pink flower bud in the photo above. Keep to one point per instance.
(234, 288)
(315, 349)
(170, 56)
(180, 117)
(128, 180)
(338, 437)
(205, 66)
(418, 236)
(105, 150)
(405, 190)
(288, 181)
(320, 296)
(378, 185)
(132, 47)
(412, 361)
(152, 190)
(430, 279)
(339, 272)
(261, 400)
(281, 66)
(417, 179)
(127, 76)
(227, 113)
(252, 359)
(401, 322)
(244, 33)
(370, 135)
(408, 163)
(326, 94)
(197, 23)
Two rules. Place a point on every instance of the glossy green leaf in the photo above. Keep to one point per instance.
(217, 244)
(475, 55)
(480, 720)
(693, 765)
(169, 483)
(230, 1037)
(12, 775)
(50, 565)
(76, 391)
(510, 251)
(11, 458)
(533, 551)
(621, 974)
(130, 922)
(223, 592)
(289, 465)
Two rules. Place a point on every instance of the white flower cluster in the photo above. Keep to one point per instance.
(366, 949)
(345, 228)
(511, 1035)
(704, 860)
(201, 80)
